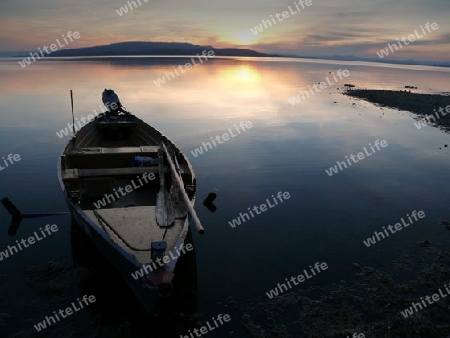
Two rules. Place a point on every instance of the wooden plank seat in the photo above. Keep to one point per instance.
(110, 162)
(69, 174)
(115, 123)
(114, 172)
(98, 157)
(116, 150)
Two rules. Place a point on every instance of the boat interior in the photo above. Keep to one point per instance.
(111, 171)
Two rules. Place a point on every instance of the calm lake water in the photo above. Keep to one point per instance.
(288, 149)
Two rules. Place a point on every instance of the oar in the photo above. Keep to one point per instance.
(177, 165)
(17, 216)
(198, 224)
(73, 117)
(178, 206)
(164, 213)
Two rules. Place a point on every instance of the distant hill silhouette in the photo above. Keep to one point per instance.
(153, 48)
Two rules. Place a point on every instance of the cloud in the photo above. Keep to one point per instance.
(327, 27)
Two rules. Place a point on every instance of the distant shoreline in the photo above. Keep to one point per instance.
(146, 48)
(330, 60)
(423, 105)
(124, 58)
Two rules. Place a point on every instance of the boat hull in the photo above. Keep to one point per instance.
(120, 258)
(147, 296)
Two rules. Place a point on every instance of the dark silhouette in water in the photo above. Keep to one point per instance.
(18, 216)
(208, 202)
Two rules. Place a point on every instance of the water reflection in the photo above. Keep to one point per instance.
(288, 149)
(219, 89)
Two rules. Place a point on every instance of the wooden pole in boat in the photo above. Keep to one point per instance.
(198, 224)
(73, 117)
(164, 212)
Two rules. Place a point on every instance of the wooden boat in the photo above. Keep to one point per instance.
(131, 167)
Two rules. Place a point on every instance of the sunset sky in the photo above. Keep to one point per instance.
(328, 27)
